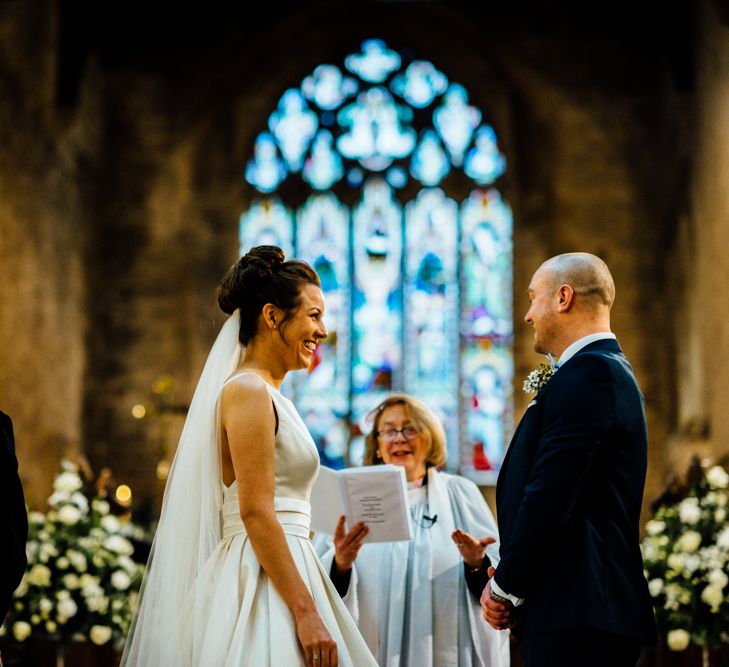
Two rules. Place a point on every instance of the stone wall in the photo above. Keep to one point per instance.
(698, 266)
(46, 155)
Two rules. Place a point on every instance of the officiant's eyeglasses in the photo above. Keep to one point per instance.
(390, 435)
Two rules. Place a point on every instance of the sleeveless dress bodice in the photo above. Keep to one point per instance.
(296, 468)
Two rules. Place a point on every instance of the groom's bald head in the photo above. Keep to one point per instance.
(587, 275)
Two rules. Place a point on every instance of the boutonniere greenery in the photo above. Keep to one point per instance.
(538, 378)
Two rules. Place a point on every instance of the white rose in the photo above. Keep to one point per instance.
(35, 619)
(120, 580)
(62, 563)
(100, 634)
(45, 551)
(655, 586)
(654, 527)
(711, 557)
(55, 499)
(717, 477)
(678, 640)
(100, 506)
(691, 563)
(69, 515)
(51, 626)
(127, 564)
(91, 591)
(67, 607)
(39, 575)
(98, 603)
(713, 597)
(78, 560)
(45, 606)
(649, 549)
(36, 517)
(689, 542)
(718, 578)
(119, 544)
(720, 515)
(676, 562)
(67, 482)
(88, 580)
(81, 501)
(689, 511)
(718, 498)
(21, 631)
(110, 523)
(722, 540)
(71, 581)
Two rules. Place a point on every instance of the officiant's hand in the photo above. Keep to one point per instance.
(472, 550)
(347, 545)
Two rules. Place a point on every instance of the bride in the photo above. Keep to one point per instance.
(233, 579)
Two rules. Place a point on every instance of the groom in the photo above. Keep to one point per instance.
(570, 580)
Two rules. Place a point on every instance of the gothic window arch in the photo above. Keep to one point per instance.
(417, 279)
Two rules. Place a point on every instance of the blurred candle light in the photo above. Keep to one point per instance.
(124, 494)
(163, 470)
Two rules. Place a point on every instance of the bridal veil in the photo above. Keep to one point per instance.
(189, 525)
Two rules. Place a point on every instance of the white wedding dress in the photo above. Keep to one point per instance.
(235, 617)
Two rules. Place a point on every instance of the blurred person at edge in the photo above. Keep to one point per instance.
(13, 519)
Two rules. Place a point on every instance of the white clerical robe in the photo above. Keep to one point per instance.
(410, 600)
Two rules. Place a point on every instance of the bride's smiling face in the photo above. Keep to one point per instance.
(302, 333)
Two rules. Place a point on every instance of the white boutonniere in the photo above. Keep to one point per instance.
(538, 378)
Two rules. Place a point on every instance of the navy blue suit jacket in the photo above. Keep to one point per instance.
(13, 518)
(569, 498)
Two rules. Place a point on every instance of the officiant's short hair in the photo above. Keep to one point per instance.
(422, 416)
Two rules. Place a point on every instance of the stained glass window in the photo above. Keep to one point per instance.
(417, 282)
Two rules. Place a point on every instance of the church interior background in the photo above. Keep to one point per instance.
(425, 157)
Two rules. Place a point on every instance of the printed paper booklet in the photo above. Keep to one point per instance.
(376, 495)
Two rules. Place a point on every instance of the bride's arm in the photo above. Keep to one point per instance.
(249, 422)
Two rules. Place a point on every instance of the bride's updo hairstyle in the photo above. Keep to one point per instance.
(263, 276)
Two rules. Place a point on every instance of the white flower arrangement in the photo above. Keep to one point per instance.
(81, 582)
(538, 378)
(686, 560)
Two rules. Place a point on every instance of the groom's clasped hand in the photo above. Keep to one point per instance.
(499, 615)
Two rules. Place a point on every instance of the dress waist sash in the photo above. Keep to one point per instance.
(293, 514)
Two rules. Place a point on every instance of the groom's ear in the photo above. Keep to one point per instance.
(566, 298)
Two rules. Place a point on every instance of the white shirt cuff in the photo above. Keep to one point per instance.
(498, 590)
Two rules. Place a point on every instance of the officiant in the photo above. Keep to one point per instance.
(417, 602)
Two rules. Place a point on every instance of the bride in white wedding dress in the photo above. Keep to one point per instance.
(233, 579)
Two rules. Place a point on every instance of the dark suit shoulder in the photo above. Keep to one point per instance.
(583, 367)
(6, 423)
(7, 439)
